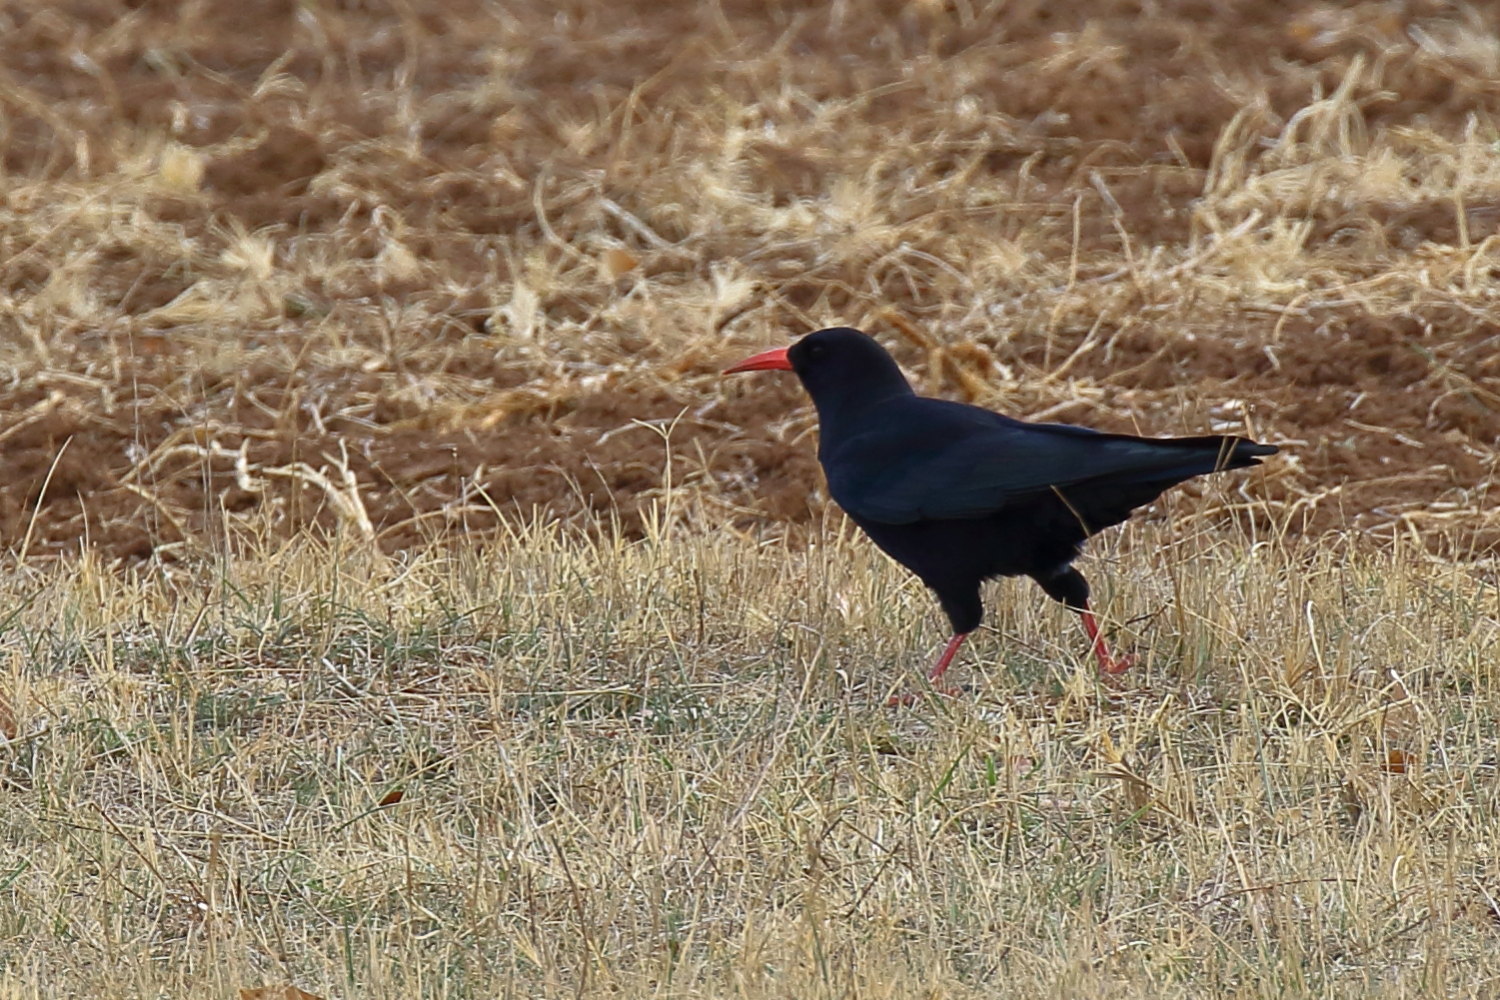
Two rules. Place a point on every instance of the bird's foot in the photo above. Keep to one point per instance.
(1111, 666)
(937, 671)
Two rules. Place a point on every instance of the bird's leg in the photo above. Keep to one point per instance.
(933, 675)
(1108, 663)
(946, 657)
(1067, 585)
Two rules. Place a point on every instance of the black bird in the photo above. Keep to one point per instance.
(958, 494)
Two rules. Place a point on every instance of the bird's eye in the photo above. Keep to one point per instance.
(816, 351)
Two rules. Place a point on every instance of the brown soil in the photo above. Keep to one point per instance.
(416, 268)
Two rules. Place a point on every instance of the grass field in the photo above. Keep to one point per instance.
(663, 768)
(398, 603)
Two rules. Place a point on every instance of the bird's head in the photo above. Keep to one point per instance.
(838, 366)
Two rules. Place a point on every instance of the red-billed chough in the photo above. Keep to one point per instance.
(958, 494)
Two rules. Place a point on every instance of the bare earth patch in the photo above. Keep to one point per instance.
(458, 252)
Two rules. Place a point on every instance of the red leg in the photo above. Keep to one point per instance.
(937, 671)
(946, 658)
(1108, 664)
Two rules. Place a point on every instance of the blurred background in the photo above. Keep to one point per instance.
(408, 269)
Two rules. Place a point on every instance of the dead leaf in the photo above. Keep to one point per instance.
(1108, 751)
(181, 168)
(615, 262)
(1397, 761)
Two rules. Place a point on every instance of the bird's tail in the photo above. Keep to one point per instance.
(1216, 451)
(1238, 452)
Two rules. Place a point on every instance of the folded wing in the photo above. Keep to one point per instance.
(980, 471)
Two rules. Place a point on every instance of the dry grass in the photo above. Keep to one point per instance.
(663, 768)
(434, 621)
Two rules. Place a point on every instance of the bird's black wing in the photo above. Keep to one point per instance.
(965, 466)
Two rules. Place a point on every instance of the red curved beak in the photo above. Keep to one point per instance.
(772, 360)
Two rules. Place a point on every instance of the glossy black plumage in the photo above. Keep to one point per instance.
(959, 494)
